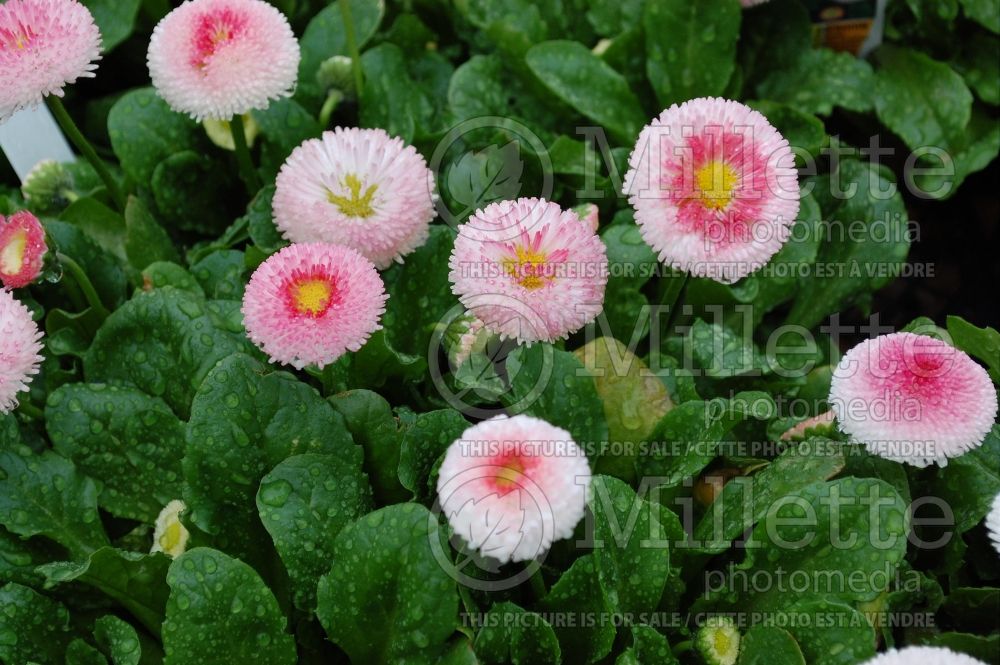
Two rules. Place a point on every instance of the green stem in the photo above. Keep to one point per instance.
(30, 410)
(673, 299)
(83, 282)
(352, 46)
(538, 584)
(83, 145)
(469, 604)
(682, 647)
(247, 170)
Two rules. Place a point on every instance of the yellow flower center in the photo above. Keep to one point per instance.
(172, 536)
(722, 642)
(716, 180)
(312, 296)
(12, 255)
(509, 474)
(357, 204)
(528, 269)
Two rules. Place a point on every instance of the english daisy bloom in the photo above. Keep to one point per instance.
(19, 350)
(510, 486)
(993, 523)
(714, 188)
(529, 270)
(170, 536)
(309, 304)
(44, 46)
(589, 214)
(923, 656)
(718, 641)
(356, 187)
(218, 58)
(22, 249)
(913, 398)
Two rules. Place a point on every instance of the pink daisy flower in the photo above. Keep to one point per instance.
(20, 346)
(993, 523)
(752, 3)
(309, 304)
(714, 188)
(923, 656)
(44, 46)
(912, 398)
(218, 58)
(513, 485)
(22, 249)
(589, 214)
(529, 270)
(357, 187)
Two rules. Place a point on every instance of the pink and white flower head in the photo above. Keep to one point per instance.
(529, 270)
(752, 3)
(356, 187)
(510, 486)
(309, 304)
(714, 188)
(923, 656)
(213, 59)
(22, 249)
(20, 346)
(993, 523)
(913, 398)
(589, 214)
(44, 46)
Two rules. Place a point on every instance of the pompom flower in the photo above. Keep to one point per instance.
(22, 249)
(993, 523)
(356, 187)
(44, 46)
(510, 486)
(923, 656)
(170, 535)
(714, 188)
(529, 270)
(718, 641)
(219, 58)
(309, 304)
(19, 349)
(912, 398)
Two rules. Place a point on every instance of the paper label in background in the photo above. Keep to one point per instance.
(30, 136)
(855, 26)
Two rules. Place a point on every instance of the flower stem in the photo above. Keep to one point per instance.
(89, 292)
(83, 145)
(673, 299)
(247, 170)
(352, 46)
(538, 584)
(30, 410)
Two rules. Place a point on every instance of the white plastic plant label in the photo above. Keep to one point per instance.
(31, 136)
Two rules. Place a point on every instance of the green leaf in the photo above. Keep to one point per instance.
(865, 244)
(631, 553)
(585, 82)
(514, 635)
(144, 132)
(923, 101)
(983, 343)
(984, 12)
(423, 443)
(102, 225)
(369, 419)
(284, 125)
(385, 574)
(804, 131)
(579, 598)
(648, 648)
(969, 483)
(161, 273)
(33, 628)
(145, 240)
(44, 495)
(19, 556)
(114, 18)
(304, 502)
(118, 639)
(191, 192)
(377, 362)
(325, 37)
(844, 638)
(773, 35)
(481, 177)
(690, 47)
(692, 427)
(419, 293)
(260, 222)
(552, 384)
(819, 79)
(390, 99)
(135, 581)
(81, 653)
(972, 152)
(221, 274)
(130, 442)
(766, 645)
(978, 60)
(100, 265)
(634, 399)
(245, 419)
(795, 535)
(745, 501)
(220, 613)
